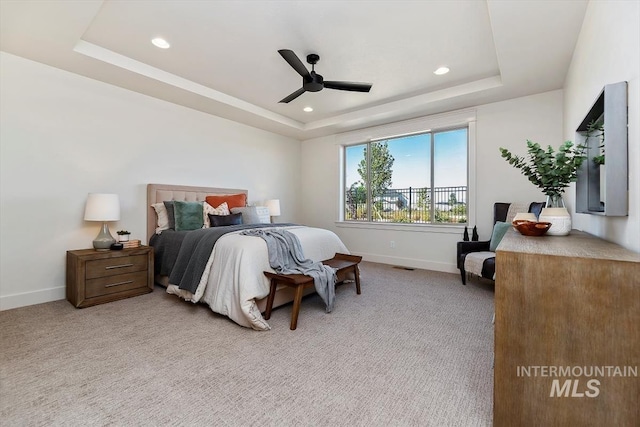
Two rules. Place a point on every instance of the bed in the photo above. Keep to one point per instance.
(232, 282)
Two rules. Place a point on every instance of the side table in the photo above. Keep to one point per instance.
(96, 277)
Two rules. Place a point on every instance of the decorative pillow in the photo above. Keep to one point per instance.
(253, 214)
(263, 214)
(499, 230)
(233, 200)
(188, 215)
(170, 214)
(207, 210)
(222, 220)
(162, 220)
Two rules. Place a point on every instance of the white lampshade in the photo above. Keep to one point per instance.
(273, 206)
(102, 207)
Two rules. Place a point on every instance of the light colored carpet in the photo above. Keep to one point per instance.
(415, 349)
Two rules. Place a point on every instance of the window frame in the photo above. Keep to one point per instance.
(429, 124)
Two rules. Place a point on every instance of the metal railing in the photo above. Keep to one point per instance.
(409, 205)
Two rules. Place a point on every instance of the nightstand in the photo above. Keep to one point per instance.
(95, 277)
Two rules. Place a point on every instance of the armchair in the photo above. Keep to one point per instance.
(500, 213)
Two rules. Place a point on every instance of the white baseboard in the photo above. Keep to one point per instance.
(410, 262)
(8, 302)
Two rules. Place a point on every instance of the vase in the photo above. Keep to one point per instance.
(557, 214)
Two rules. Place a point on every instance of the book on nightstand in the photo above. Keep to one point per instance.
(131, 244)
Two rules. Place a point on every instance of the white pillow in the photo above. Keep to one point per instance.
(162, 218)
(207, 209)
(263, 214)
(253, 214)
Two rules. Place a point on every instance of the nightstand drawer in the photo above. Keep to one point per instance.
(115, 266)
(115, 283)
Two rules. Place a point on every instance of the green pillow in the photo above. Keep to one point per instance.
(499, 230)
(189, 215)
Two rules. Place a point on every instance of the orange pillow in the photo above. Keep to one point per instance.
(233, 200)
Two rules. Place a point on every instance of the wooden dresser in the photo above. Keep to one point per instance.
(95, 277)
(567, 314)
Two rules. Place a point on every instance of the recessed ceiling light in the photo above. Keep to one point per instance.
(440, 71)
(161, 43)
(307, 109)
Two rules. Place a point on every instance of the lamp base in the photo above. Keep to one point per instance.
(104, 240)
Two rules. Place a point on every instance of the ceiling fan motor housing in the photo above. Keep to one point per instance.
(315, 84)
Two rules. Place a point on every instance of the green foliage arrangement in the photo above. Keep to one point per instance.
(123, 232)
(595, 129)
(549, 170)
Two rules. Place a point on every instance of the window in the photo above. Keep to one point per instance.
(418, 179)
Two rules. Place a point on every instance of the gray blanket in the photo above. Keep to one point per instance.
(166, 247)
(195, 250)
(286, 257)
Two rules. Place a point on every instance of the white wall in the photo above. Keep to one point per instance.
(63, 136)
(505, 124)
(608, 51)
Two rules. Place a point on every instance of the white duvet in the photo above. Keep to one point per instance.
(234, 279)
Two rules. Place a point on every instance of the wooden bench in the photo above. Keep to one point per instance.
(343, 263)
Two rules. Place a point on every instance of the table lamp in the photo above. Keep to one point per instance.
(273, 206)
(102, 207)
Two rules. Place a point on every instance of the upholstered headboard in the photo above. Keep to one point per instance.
(166, 192)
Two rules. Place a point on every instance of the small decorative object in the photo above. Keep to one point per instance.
(116, 247)
(474, 235)
(123, 235)
(552, 172)
(465, 236)
(528, 216)
(557, 214)
(531, 228)
(132, 244)
(102, 207)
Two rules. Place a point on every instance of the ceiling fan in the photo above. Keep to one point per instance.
(312, 82)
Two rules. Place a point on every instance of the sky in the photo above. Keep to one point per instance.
(411, 167)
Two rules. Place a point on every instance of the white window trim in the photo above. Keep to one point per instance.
(395, 226)
(393, 130)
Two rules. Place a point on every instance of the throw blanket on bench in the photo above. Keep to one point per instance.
(286, 257)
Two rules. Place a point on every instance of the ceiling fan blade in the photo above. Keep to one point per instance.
(352, 86)
(294, 95)
(295, 63)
